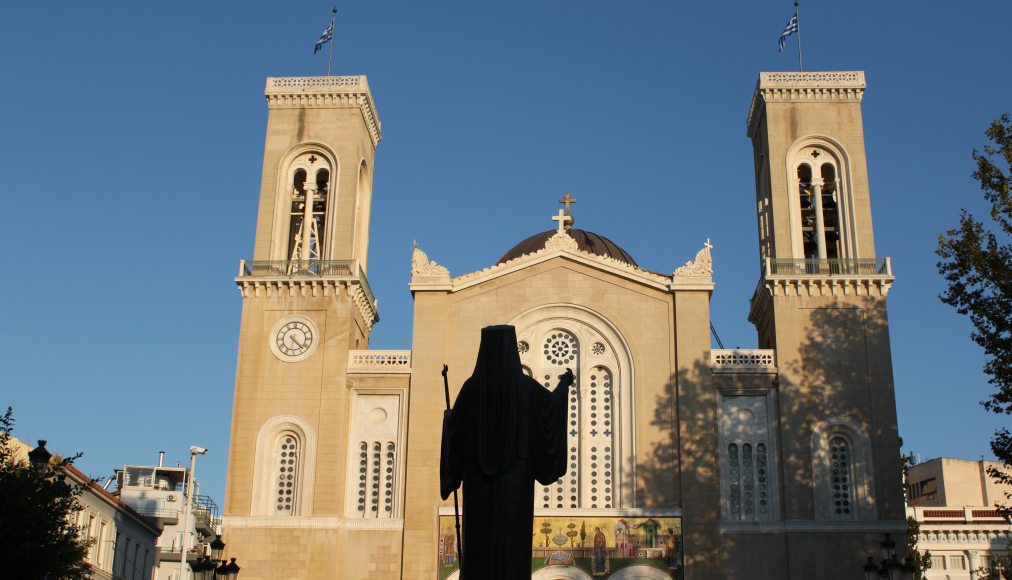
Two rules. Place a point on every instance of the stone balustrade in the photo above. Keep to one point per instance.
(741, 360)
(379, 361)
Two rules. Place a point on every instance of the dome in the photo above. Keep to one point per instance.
(585, 241)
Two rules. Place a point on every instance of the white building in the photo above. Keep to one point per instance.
(953, 501)
(123, 541)
(157, 492)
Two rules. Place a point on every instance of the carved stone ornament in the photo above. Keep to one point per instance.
(423, 267)
(561, 241)
(702, 266)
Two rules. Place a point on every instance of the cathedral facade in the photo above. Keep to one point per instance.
(685, 461)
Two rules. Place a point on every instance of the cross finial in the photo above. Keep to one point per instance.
(568, 201)
(708, 244)
(564, 221)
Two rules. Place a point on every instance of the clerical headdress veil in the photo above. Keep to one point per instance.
(495, 384)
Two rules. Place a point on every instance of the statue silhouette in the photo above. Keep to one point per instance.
(505, 431)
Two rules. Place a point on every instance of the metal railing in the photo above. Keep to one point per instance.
(292, 268)
(836, 267)
(289, 269)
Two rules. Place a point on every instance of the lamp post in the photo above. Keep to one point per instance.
(203, 568)
(228, 571)
(890, 568)
(188, 507)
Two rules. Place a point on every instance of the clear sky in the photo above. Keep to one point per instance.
(132, 136)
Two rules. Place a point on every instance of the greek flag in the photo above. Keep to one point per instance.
(326, 37)
(791, 28)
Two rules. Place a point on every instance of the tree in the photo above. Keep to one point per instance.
(38, 538)
(976, 261)
(921, 562)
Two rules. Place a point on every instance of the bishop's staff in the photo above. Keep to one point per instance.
(456, 504)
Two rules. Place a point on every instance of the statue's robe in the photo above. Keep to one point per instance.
(505, 431)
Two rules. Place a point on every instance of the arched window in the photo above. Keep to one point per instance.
(286, 473)
(842, 471)
(821, 202)
(747, 480)
(284, 468)
(599, 401)
(309, 189)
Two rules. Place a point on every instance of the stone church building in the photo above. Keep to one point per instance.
(685, 461)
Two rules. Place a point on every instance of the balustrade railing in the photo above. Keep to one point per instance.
(379, 361)
(740, 360)
(290, 269)
(836, 267)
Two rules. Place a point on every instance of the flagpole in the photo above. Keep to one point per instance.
(330, 56)
(801, 67)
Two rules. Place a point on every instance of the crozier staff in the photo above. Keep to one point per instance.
(505, 431)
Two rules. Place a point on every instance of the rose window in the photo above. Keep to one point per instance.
(560, 348)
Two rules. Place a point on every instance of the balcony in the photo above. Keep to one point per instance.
(257, 274)
(740, 360)
(816, 267)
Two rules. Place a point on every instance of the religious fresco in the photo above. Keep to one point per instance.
(599, 546)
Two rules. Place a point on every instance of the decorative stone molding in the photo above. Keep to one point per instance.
(561, 241)
(702, 266)
(610, 264)
(423, 267)
(787, 286)
(741, 360)
(792, 87)
(379, 361)
(325, 92)
(326, 523)
(254, 283)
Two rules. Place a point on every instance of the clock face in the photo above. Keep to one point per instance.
(294, 339)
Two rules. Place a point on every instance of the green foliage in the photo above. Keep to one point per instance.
(921, 561)
(976, 261)
(38, 538)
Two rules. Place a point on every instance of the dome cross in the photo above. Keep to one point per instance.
(568, 201)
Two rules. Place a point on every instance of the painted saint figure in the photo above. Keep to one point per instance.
(505, 431)
(600, 544)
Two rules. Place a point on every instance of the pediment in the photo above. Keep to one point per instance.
(427, 275)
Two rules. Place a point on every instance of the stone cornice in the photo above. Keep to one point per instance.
(320, 522)
(427, 275)
(794, 87)
(837, 285)
(324, 93)
(262, 287)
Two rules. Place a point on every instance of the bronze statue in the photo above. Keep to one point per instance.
(505, 431)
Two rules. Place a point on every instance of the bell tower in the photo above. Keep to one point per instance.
(306, 304)
(821, 305)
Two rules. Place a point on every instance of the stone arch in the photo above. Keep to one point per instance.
(284, 170)
(560, 573)
(591, 330)
(841, 159)
(863, 483)
(263, 465)
(640, 572)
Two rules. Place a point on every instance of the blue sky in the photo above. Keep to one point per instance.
(131, 147)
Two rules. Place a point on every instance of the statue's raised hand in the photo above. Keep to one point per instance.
(567, 378)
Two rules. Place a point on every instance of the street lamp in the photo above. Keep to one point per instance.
(40, 455)
(227, 571)
(188, 507)
(870, 569)
(909, 569)
(217, 547)
(203, 568)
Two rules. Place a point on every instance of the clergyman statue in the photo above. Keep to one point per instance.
(505, 431)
